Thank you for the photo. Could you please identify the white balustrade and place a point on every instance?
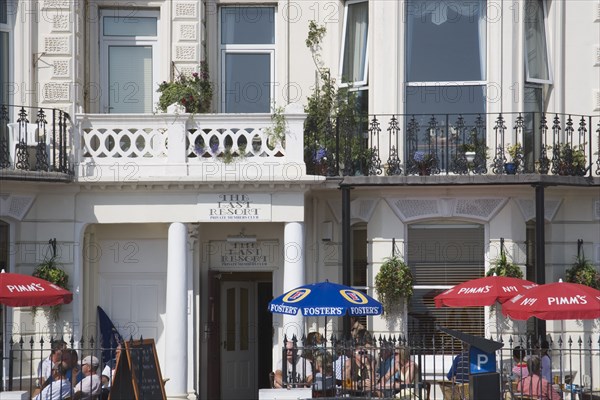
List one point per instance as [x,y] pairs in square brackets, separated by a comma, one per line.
[201,146]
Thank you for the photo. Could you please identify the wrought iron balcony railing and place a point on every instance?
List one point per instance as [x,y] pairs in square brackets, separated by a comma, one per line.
[454,144]
[34,139]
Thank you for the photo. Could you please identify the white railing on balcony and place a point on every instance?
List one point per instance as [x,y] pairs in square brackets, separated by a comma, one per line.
[200,147]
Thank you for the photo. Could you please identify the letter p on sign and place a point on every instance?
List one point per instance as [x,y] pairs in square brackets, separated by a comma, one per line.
[482,359]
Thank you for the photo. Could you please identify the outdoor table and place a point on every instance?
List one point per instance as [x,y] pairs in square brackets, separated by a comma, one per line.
[285,394]
[18,395]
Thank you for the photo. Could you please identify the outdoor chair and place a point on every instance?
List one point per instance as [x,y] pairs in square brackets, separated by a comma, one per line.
[454,391]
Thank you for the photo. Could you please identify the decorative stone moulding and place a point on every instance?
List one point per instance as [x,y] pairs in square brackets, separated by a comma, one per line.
[15,206]
[361,210]
[56,92]
[56,4]
[57,45]
[188,32]
[186,9]
[527,208]
[596,209]
[61,68]
[60,23]
[185,53]
[413,209]
[596,100]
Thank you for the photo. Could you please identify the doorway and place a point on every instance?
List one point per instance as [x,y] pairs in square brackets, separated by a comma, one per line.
[245,334]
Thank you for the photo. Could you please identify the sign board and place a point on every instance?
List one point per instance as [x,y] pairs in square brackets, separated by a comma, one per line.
[235,207]
[481,362]
[262,255]
[137,374]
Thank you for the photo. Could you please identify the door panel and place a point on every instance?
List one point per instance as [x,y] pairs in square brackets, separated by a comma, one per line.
[135,304]
[238,344]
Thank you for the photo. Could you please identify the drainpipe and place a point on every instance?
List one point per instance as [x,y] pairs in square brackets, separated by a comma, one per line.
[540,251]
[346,255]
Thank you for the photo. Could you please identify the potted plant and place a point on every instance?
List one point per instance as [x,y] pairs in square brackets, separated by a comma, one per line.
[193,93]
[330,109]
[515,151]
[571,159]
[503,267]
[582,271]
[50,270]
[393,282]
[469,149]
[424,162]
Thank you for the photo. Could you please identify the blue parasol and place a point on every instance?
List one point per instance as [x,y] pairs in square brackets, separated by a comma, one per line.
[325,299]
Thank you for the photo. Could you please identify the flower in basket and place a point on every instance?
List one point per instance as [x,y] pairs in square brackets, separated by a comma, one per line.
[423,161]
[194,92]
[320,156]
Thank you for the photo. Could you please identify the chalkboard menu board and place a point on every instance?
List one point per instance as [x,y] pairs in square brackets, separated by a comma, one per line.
[137,375]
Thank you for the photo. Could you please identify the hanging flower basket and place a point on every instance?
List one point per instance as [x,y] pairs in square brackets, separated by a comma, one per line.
[583,272]
[50,271]
[394,282]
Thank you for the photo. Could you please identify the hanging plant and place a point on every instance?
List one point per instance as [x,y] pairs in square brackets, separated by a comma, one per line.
[393,282]
[583,272]
[50,270]
[502,267]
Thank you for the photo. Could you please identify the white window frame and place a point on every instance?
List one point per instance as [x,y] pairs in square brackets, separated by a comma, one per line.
[528,79]
[225,49]
[141,41]
[8,27]
[365,79]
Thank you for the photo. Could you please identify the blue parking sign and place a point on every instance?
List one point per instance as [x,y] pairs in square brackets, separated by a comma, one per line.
[481,362]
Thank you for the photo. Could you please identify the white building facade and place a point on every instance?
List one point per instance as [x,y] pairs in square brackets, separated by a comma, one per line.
[178,244]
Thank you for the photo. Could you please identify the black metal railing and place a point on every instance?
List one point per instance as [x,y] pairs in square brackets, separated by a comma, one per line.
[361,368]
[34,139]
[457,144]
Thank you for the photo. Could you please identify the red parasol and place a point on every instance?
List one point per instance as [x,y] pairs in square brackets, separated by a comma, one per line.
[18,290]
[555,301]
[482,291]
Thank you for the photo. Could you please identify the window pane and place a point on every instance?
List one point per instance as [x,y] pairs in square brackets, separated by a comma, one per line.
[247,83]
[138,26]
[535,41]
[355,50]
[4,61]
[443,256]
[3,12]
[247,25]
[532,142]
[130,79]
[244,321]
[445,40]
[443,105]
[231,325]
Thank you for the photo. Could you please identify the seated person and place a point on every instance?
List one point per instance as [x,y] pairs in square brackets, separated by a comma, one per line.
[519,370]
[459,371]
[403,373]
[90,386]
[45,366]
[534,384]
[343,352]
[360,370]
[298,371]
[59,388]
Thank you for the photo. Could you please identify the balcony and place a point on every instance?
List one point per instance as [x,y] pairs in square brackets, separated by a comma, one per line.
[458,145]
[239,148]
[35,144]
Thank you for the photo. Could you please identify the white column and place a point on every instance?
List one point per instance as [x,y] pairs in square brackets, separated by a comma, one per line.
[294,272]
[176,316]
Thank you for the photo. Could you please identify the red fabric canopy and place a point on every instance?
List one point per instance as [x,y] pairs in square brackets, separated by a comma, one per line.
[17,290]
[482,291]
[555,301]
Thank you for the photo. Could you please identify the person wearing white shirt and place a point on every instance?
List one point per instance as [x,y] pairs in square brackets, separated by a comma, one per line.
[59,389]
[45,366]
[90,386]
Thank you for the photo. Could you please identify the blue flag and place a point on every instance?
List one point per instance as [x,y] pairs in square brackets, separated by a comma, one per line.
[110,337]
